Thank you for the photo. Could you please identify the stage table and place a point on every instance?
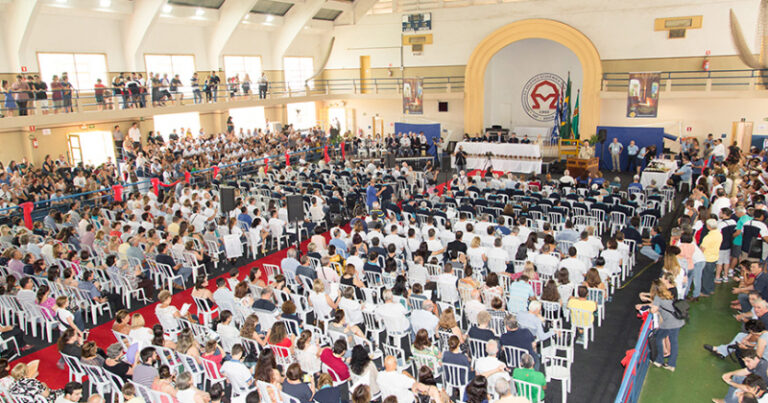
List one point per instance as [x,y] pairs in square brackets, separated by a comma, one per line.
[528,156]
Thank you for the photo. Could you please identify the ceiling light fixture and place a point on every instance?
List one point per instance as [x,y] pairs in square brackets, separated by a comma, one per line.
[167,9]
[199,12]
[105,3]
[61,1]
[270,17]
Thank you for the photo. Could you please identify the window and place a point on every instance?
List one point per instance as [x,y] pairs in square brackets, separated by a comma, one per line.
[91,148]
[181,123]
[241,65]
[297,70]
[248,119]
[183,65]
[301,115]
[82,68]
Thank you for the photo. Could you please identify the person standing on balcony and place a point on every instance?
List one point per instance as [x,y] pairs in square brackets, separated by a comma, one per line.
[196,89]
[263,85]
[66,92]
[41,96]
[10,102]
[56,93]
[20,94]
[615,149]
[213,83]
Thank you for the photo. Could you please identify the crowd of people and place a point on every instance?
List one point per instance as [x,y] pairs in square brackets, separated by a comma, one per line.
[126,90]
[478,293]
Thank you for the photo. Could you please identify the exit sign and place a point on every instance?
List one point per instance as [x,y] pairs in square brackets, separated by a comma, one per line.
[23,69]
[91,126]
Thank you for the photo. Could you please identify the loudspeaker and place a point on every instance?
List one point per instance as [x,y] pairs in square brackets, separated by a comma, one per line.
[445,164]
[390,160]
[450,147]
[227,198]
[442,106]
[295,206]
[602,135]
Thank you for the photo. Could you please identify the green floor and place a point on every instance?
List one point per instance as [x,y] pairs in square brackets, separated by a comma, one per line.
[697,377]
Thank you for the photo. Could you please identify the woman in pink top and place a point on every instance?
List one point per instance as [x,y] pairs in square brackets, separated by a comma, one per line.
[45,301]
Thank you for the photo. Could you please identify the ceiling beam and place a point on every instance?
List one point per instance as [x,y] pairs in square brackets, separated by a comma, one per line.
[231,14]
[361,9]
[19,19]
[136,27]
[293,23]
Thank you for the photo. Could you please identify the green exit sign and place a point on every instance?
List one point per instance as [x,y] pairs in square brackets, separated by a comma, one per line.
[91,126]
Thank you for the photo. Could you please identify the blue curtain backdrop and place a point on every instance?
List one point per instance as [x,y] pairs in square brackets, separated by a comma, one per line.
[643,136]
[431,130]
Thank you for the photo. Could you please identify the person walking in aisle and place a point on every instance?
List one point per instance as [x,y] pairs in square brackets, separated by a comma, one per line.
[615,148]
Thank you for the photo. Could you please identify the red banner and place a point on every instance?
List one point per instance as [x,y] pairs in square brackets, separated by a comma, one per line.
[117,191]
[215,171]
[266,164]
[27,209]
[343,151]
[325,152]
[156,185]
[287,159]
[187,177]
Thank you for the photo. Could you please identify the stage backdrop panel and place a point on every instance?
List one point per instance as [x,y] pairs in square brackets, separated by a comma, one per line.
[643,136]
[431,130]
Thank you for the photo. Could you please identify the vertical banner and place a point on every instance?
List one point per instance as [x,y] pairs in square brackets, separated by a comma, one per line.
[413,96]
[643,95]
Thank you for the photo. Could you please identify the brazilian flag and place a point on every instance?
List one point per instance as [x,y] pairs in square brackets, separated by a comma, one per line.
[575,121]
[565,118]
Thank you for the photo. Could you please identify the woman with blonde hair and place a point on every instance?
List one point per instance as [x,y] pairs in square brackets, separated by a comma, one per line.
[320,301]
[27,386]
[672,266]
[139,333]
[447,323]
[476,254]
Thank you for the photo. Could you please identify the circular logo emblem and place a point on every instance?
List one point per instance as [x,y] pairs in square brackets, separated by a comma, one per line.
[540,95]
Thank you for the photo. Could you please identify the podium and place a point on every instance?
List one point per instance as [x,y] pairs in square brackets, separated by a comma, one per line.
[577,166]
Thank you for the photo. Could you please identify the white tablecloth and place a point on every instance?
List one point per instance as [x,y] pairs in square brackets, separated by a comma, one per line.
[671,164]
[659,177]
[527,150]
[506,165]
[521,166]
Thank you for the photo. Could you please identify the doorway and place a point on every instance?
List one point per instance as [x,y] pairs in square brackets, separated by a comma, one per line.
[91,148]
[378,127]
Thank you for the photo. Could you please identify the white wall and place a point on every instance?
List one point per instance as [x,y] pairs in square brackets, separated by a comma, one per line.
[66,33]
[619,30]
[512,67]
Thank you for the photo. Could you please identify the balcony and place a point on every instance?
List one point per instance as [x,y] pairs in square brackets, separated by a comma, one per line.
[699,81]
[85,107]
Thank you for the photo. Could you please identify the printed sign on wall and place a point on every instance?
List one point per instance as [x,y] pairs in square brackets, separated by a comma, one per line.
[413,96]
[643,95]
[540,94]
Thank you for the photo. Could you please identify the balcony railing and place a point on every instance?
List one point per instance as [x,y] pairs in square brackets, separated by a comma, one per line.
[713,80]
[82,100]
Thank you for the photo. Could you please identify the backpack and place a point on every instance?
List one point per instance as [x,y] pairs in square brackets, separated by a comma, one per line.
[681,309]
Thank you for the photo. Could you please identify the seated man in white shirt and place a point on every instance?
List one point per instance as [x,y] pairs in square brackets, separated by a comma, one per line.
[236,372]
[490,366]
[394,315]
[576,268]
[425,318]
[496,256]
[394,383]
[473,307]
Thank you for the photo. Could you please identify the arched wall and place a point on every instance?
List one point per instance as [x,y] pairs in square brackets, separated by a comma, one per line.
[474,77]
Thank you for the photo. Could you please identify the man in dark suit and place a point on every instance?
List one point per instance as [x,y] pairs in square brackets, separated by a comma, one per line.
[456,245]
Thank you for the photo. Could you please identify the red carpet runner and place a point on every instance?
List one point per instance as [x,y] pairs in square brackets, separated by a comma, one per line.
[102,334]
